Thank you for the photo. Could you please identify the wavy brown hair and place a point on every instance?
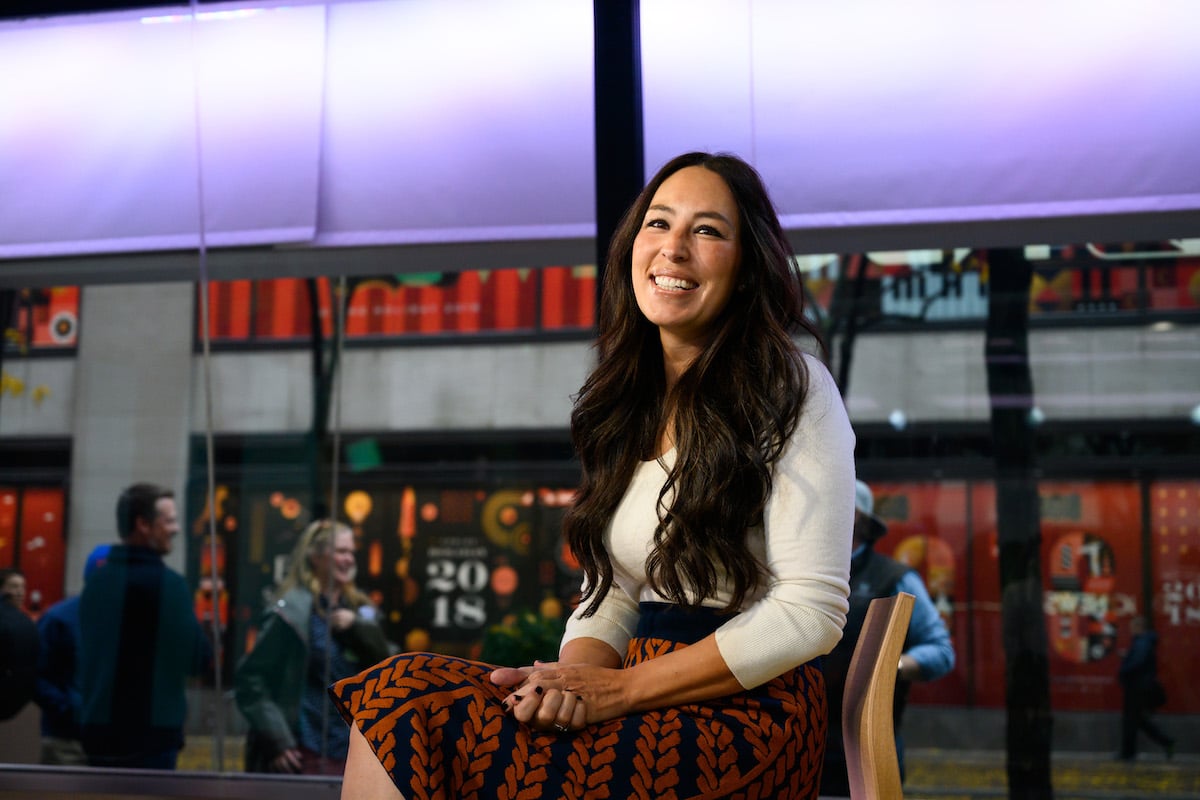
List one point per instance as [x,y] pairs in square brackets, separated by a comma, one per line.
[735,407]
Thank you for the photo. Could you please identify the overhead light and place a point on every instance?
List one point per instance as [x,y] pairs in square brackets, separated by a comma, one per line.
[898,420]
[1162,326]
[202,16]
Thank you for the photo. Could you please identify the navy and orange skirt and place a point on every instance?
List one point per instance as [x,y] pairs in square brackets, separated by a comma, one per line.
[437,724]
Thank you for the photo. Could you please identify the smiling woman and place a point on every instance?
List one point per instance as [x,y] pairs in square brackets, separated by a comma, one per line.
[685,261]
[713,528]
[320,627]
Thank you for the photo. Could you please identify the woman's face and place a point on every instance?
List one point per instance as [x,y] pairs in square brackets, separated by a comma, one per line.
[338,561]
[687,254]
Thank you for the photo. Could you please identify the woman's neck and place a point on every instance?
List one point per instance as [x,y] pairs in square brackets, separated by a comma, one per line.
[677,355]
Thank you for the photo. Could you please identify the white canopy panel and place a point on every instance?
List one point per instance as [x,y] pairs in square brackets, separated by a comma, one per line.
[103,120]
[422,123]
[870,113]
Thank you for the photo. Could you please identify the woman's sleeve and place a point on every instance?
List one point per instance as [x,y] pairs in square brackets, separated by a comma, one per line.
[614,623]
[808,523]
[258,673]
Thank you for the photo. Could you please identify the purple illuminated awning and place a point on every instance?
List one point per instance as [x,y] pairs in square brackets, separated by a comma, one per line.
[420,123]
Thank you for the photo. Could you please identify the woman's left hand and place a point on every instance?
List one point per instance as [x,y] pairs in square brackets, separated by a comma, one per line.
[554,696]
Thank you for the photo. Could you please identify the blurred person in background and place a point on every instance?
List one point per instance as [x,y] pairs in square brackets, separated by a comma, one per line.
[12,587]
[1142,692]
[319,628]
[57,691]
[18,645]
[140,641]
[928,653]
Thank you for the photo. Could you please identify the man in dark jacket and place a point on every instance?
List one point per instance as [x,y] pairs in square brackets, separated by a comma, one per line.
[140,641]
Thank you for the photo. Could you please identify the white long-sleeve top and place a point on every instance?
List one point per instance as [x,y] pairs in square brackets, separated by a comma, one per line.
[799,611]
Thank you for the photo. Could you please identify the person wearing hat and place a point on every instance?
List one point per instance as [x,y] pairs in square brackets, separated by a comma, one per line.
[57,689]
[928,652]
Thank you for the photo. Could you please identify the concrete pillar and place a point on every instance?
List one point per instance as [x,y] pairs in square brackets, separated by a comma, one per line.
[132,408]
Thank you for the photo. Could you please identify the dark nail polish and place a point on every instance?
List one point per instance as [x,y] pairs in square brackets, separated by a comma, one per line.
[518,698]
[537,689]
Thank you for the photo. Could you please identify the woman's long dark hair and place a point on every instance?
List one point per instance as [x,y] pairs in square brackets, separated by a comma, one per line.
[735,407]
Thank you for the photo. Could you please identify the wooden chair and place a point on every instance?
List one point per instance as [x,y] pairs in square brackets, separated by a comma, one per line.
[869,737]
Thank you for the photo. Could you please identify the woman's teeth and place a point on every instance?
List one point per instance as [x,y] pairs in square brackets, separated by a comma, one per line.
[667,282]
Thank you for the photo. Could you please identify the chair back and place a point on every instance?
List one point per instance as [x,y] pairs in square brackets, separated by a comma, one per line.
[868,733]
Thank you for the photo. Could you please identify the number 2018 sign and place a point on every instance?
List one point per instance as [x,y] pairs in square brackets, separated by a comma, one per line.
[455,588]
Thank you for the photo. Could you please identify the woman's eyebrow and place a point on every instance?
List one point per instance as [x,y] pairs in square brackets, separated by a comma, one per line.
[699,214]
[715,215]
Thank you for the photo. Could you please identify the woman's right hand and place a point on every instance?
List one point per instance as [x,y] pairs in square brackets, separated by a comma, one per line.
[554,706]
[548,709]
[288,761]
[544,708]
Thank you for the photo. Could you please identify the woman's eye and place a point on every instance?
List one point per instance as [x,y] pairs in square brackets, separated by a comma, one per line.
[656,223]
[709,230]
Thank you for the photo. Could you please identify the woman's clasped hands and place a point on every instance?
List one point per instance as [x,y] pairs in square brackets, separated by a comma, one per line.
[550,696]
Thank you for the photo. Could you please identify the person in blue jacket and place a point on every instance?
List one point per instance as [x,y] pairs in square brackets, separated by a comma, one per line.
[57,688]
[928,652]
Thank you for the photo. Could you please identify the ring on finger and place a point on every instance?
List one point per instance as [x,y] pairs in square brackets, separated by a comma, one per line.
[558,726]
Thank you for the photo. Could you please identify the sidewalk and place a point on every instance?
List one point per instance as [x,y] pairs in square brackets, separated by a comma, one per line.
[974,774]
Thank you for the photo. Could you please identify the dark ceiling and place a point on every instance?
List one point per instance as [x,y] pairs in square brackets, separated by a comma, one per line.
[22,9]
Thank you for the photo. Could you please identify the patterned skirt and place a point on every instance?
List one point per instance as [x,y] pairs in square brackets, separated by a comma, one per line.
[438,726]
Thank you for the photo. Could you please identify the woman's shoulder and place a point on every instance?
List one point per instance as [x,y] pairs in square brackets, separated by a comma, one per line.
[823,424]
[821,389]
[294,604]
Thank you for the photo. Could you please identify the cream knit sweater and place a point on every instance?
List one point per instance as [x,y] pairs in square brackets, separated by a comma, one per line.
[798,612]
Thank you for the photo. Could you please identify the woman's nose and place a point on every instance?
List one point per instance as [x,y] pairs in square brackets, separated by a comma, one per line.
[675,248]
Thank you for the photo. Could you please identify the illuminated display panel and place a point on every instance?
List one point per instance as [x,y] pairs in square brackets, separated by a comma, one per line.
[1092,580]
[46,320]
[549,299]
[32,539]
[1175,567]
